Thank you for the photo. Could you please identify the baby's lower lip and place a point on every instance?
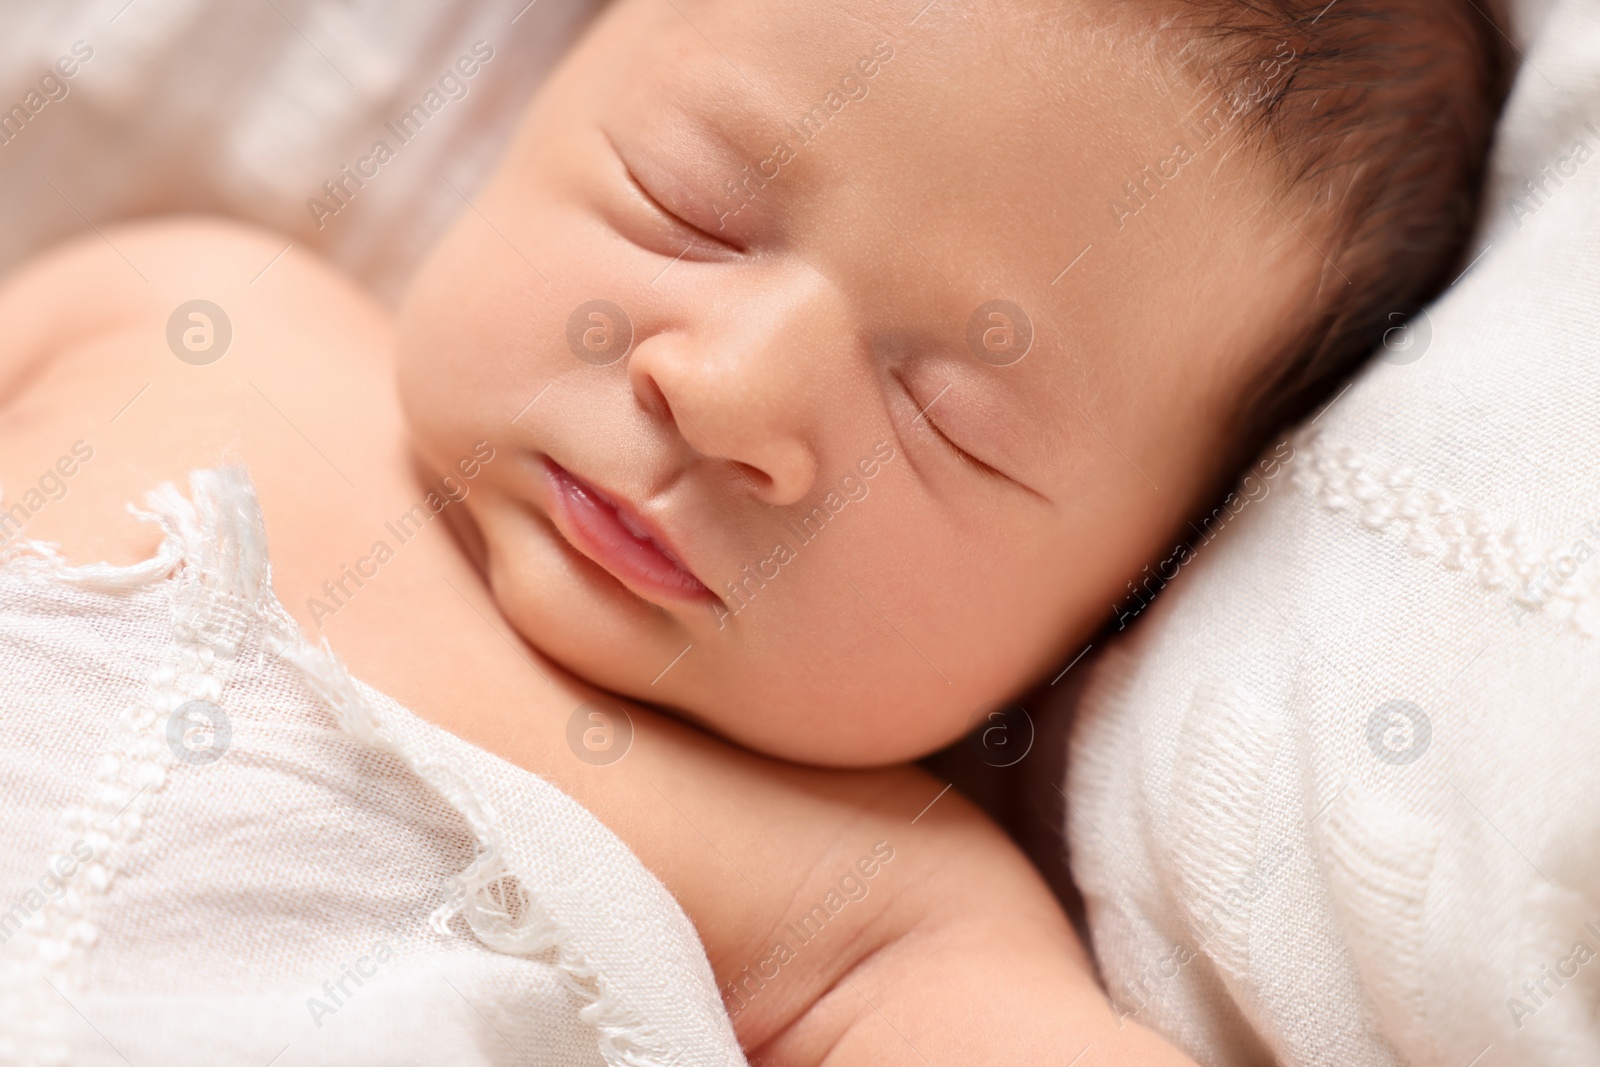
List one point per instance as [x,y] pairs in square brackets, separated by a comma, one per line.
[601,530]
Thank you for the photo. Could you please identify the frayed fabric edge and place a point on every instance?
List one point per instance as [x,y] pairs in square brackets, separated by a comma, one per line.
[488,894]
[216,540]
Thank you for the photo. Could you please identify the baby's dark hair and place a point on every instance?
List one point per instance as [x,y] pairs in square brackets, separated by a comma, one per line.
[1378,114]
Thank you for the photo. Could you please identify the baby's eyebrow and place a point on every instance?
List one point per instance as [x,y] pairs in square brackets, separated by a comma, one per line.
[689,155]
[705,136]
[724,138]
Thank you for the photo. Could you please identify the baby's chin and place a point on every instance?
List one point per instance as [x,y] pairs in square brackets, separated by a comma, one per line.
[728,700]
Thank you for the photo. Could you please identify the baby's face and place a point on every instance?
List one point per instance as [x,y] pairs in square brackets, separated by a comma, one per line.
[833,399]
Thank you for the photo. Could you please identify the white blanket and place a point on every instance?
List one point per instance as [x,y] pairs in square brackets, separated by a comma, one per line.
[218,848]
[1334,803]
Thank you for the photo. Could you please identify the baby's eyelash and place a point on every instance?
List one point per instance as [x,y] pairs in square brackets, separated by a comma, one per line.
[673,217]
[961,454]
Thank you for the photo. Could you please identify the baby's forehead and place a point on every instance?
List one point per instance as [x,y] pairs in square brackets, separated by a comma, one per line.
[802,65]
[778,106]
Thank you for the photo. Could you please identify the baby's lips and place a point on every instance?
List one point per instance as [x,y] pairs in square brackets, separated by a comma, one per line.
[607,530]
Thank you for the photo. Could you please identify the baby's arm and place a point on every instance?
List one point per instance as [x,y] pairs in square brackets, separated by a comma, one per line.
[956,954]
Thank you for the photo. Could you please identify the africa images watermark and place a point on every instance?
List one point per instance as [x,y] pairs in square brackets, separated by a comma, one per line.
[852,88]
[1251,490]
[198,733]
[450,490]
[341,189]
[1536,192]
[754,577]
[51,486]
[365,967]
[52,88]
[1536,992]
[1002,734]
[852,886]
[1137,993]
[599,732]
[1555,578]
[52,885]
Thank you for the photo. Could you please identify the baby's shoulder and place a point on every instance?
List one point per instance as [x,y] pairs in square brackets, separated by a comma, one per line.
[117,277]
[146,351]
[170,344]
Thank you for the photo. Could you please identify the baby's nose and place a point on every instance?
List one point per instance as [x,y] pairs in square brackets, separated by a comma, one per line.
[749,383]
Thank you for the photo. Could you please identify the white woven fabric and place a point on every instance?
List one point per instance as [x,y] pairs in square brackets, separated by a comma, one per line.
[246,109]
[1334,803]
[316,876]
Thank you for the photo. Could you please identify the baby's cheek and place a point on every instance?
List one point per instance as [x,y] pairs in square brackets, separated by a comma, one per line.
[428,337]
[850,665]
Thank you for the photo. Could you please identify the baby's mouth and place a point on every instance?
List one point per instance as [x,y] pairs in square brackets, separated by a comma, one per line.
[612,534]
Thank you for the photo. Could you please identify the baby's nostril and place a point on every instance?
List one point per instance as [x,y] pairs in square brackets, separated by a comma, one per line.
[758,479]
[652,399]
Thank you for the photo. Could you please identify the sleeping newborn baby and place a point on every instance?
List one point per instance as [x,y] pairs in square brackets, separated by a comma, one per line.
[819,376]
[875,353]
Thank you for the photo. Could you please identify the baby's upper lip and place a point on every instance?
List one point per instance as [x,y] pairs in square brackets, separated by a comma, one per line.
[634,522]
